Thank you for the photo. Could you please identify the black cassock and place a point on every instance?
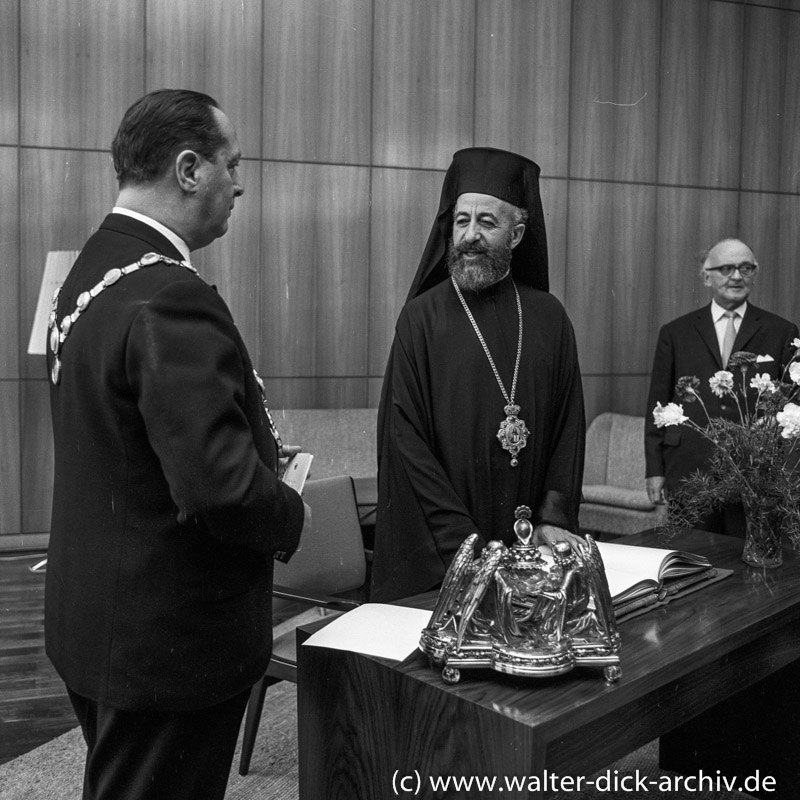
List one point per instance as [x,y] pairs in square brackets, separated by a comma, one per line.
[442,473]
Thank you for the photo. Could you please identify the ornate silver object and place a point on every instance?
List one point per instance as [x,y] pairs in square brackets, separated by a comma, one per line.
[511,611]
[513,433]
[273,429]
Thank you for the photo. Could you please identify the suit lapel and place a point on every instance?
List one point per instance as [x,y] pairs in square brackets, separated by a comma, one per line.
[704,325]
[751,324]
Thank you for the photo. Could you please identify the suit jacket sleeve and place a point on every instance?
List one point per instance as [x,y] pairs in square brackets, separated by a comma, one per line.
[787,353]
[195,386]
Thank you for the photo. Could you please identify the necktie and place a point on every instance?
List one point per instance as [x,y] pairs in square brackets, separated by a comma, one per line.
[727,340]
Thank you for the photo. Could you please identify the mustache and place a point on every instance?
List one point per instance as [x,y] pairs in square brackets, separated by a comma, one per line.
[466,247]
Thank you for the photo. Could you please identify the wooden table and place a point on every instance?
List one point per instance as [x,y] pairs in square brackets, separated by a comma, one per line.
[365,721]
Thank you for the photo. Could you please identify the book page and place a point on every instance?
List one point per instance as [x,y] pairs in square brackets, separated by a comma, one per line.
[679,562]
[56,267]
[632,571]
[649,562]
[376,629]
[625,585]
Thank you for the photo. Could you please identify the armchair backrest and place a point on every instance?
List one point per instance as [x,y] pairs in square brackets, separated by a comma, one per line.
[596,460]
[615,451]
[331,557]
[626,466]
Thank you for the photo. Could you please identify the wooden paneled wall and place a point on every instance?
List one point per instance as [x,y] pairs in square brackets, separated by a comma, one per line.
[660,126]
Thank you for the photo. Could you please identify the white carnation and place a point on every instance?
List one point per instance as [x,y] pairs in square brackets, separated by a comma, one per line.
[670,414]
[721,382]
[789,420]
[762,383]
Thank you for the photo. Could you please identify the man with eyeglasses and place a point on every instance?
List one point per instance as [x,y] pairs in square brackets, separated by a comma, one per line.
[700,344]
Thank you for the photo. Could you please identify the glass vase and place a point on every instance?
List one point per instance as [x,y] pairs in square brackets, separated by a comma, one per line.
[762,541]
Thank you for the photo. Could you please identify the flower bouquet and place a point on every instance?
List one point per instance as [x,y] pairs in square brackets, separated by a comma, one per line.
[754,458]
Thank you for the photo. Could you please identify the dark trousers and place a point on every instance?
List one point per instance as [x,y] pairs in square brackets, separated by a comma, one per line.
[729,520]
[154,755]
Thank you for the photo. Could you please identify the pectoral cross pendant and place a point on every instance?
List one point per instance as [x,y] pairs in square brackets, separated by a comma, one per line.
[513,434]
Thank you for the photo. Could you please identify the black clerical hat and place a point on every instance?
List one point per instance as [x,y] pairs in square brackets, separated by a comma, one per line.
[505,175]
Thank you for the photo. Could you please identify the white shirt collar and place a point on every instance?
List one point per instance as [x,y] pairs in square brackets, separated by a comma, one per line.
[717,311]
[173,237]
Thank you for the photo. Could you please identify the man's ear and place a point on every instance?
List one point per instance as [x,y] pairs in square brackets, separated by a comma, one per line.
[517,232]
[187,166]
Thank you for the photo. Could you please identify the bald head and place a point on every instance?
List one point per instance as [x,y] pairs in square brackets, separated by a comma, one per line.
[724,247]
[728,269]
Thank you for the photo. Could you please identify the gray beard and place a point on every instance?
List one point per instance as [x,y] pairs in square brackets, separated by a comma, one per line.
[491,266]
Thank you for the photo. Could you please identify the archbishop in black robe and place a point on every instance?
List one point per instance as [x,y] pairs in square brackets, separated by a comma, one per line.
[442,473]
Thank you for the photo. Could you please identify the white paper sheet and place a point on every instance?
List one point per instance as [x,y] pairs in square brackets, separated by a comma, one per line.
[57,265]
[375,629]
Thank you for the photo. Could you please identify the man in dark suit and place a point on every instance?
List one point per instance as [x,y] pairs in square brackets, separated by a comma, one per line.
[167,506]
[700,344]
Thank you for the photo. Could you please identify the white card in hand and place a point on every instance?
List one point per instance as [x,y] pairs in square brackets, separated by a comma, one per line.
[296,471]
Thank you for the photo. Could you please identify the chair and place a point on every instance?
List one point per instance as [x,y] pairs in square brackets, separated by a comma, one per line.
[330,560]
[614,497]
[344,442]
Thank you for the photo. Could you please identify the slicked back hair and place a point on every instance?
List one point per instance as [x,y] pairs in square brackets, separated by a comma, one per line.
[160,125]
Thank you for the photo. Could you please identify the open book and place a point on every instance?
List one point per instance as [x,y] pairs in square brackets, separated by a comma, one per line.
[642,577]
[633,571]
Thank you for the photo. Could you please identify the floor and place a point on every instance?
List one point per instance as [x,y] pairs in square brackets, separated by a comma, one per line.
[34,707]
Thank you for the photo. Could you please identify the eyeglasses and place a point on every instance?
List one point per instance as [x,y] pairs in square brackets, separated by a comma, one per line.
[746,269]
